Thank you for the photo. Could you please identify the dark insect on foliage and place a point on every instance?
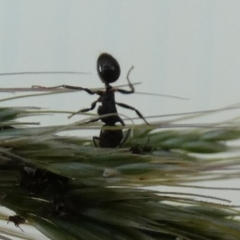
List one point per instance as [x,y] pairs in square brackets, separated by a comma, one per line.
[109,71]
[17,220]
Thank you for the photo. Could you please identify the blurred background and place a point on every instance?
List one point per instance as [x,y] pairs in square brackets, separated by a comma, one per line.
[179,47]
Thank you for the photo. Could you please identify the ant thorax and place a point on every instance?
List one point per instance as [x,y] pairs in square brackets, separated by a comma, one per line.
[108,107]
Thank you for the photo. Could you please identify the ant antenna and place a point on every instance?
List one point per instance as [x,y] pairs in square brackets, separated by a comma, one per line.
[153,94]
[129,71]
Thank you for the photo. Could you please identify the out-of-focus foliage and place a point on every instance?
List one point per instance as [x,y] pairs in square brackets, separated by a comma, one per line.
[69,189]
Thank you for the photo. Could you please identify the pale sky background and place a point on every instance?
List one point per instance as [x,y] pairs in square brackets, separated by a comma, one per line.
[188,48]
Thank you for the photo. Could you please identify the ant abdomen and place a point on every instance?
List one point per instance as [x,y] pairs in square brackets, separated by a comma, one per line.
[110,138]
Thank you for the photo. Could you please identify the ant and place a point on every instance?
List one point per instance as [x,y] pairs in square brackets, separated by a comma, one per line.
[17,220]
[109,71]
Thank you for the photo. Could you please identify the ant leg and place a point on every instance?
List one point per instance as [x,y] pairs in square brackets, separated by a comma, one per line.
[129,83]
[70,87]
[121,121]
[125,138]
[94,141]
[134,109]
[80,88]
[18,227]
[93,105]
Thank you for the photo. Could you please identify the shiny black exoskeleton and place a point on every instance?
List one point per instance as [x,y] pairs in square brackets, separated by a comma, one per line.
[109,71]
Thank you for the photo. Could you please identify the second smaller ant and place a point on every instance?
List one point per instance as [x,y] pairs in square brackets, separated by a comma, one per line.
[17,220]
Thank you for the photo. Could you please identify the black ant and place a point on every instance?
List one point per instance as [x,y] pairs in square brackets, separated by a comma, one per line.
[17,220]
[109,71]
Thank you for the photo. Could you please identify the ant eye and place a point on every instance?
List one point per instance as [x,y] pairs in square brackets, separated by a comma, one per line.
[108,68]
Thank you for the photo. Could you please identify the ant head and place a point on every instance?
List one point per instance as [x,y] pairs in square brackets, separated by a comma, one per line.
[108,68]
